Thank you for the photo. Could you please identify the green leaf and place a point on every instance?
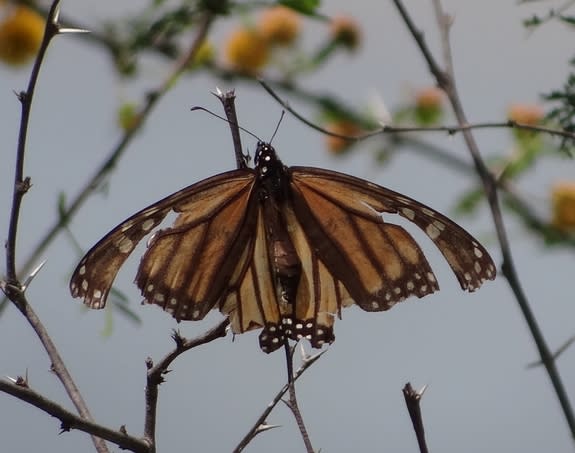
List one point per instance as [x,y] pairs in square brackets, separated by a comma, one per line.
[570,20]
[469,201]
[307,7]
[532,22]
[62,211]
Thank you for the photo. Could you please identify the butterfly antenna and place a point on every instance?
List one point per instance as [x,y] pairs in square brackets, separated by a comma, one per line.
[278,126]
[193,109]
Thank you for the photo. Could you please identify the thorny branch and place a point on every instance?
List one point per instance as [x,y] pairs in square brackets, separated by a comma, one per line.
[260,425]
[12,287]
[155,375]
[446,81]
[70,420]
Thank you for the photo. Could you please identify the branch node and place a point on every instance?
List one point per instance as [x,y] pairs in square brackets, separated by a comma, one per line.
[149,363]
[23,186]
[65,427]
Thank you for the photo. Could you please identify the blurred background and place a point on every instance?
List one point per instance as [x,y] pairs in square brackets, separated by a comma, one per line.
[472,350]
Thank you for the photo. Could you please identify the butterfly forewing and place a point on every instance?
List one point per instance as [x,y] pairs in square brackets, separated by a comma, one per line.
[380,264]
[187,267]
[95,273]
[469,261]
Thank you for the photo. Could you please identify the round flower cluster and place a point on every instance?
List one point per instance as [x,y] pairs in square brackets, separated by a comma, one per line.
[429,105]
[248,48]
[528,114]
[338,145]
[21,33]
[563,205]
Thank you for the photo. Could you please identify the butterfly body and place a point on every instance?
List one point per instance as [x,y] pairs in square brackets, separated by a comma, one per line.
[282,249]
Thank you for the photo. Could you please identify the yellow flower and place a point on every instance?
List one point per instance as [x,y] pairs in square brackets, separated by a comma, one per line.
[428,105]
[338,145]
[529,114]
[346,32]
[279,25]
[247,51]
[563,204]
[21,34]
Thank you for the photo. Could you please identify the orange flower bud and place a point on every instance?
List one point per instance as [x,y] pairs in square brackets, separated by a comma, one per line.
[529,114]
[338,145]
[279,25]
[563,205]
[346,32]
[428,105]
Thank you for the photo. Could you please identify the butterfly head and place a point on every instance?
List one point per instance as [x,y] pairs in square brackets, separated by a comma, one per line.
[266,160]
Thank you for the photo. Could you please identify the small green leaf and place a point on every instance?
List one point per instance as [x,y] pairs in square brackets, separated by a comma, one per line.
[570,20]
[469,201]
[62,211]
[308,7]
[532,22]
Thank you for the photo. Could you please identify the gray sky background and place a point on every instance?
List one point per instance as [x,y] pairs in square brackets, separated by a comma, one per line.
[471,350]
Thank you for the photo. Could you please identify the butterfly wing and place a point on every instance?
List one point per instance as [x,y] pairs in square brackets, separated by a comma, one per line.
[252,300]
[212,214]
[380,263]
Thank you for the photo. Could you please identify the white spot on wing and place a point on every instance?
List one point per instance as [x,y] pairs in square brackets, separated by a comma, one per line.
[408,213]
[432,231]
[148,224]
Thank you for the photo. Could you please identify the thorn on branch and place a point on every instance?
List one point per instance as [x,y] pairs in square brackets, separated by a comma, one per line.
[22,96]
[19,380]
[178,339]
[65,427]
[24,185]
[265,427]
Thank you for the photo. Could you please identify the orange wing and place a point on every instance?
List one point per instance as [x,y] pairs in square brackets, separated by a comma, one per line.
[380,263]
[253,303]
[213,217]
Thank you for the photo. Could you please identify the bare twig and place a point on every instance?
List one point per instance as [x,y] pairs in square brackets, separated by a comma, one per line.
[560,350]
[388,129]
[446,81]
[261,421]
[292,402]
[58,365]
[13,289]
[70,420]
[21,184]
[155,375]
[228,101]
[412,399]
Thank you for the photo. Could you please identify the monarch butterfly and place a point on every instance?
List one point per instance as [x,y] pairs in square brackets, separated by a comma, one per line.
[282,249]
